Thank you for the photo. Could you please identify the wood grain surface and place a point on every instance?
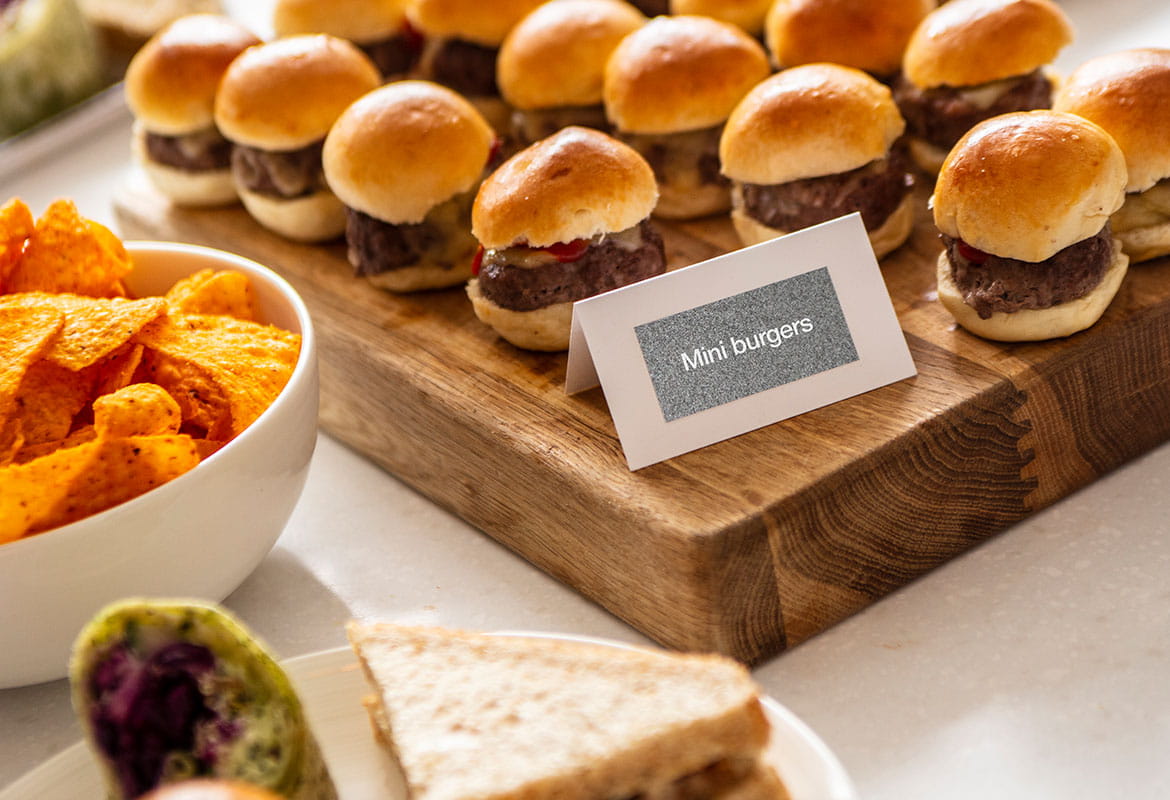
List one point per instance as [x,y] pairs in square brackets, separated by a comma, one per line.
[751,545]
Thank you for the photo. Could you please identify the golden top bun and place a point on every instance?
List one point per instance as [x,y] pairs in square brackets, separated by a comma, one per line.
[210,789]
[1028,184]
[485,22]
[402,149]
[807,121]
[356,20]
[556,55]
[171,82]
[1127,94]
[747,14]
[681,74]
[968,42]
[575,184]
[286,94]
[865,34]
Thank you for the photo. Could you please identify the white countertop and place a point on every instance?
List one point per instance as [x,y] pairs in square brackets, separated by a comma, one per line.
[1037,665]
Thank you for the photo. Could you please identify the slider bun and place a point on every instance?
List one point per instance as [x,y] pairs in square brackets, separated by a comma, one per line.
[680,74]
[544,329]
[171,82]
[1143,244]
[484,22]
[929,157]
[968,42]
[575,184]
[884,240]
[356,20]
[1033,324]
[208,187]
[317,217]
[808,121]
[210,789]
[746,14]
[1128,94]
[858,33]
[400,150]
[1028,184]
[556,55]
[286,94]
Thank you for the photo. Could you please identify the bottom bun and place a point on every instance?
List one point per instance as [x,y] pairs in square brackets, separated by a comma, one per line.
[426,275]
[544,329]
[317,217]
[1143,244]
[1034,325]
[495,111]
[887,238]
[691,202]
[927,156]
[210,789]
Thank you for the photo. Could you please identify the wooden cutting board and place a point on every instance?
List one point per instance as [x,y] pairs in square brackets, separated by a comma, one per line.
[755,544]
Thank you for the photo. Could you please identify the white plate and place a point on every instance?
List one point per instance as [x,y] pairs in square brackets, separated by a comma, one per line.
[331,685]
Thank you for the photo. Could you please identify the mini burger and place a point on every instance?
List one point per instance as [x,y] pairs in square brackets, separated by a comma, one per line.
[865,34]
[1128,94]
[170,87]
[276,103]
[1023,203]
[562,220]
[406,160]
[669,87]
[747,14]
[463,39]
[813,143]
[970,60]
[552,65]
[378,27]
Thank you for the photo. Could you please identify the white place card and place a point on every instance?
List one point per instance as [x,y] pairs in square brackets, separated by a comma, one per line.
[740,341]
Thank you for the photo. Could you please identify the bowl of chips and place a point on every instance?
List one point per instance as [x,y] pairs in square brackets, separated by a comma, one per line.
[158,413]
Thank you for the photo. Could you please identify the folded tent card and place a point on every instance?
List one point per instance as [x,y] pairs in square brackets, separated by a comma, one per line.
[740,341]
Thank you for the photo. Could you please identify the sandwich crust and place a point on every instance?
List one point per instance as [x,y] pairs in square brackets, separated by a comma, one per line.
[485,22]
[356,20]
[1028,184]
[680,74]
[1128,94]
[402,149]
[287,93]
[968,42]
[541,718]
[556,55]
[575,184]
[857,33]
[808,121]
[171,82]
[1033,325]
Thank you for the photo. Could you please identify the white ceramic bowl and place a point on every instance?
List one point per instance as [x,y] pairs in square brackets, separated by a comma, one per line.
[199,535]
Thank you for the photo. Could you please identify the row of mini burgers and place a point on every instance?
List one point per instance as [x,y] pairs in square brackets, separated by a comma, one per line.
[787,151]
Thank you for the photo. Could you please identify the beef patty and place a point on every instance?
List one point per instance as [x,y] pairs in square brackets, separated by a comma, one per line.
[279,173]
[875,190]
[608,264]
[991,283]
[192,152]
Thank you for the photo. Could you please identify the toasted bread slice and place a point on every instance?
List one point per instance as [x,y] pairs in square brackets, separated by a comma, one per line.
[480,717]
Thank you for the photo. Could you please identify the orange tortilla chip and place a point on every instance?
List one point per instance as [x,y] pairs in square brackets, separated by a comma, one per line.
[116,371]
[73,483]
[16,225]
[67,253]
[209,292]
[223,372]
[12,442]
[94,327]
[26,333]
[48,400]
[79,436]
[141,409]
